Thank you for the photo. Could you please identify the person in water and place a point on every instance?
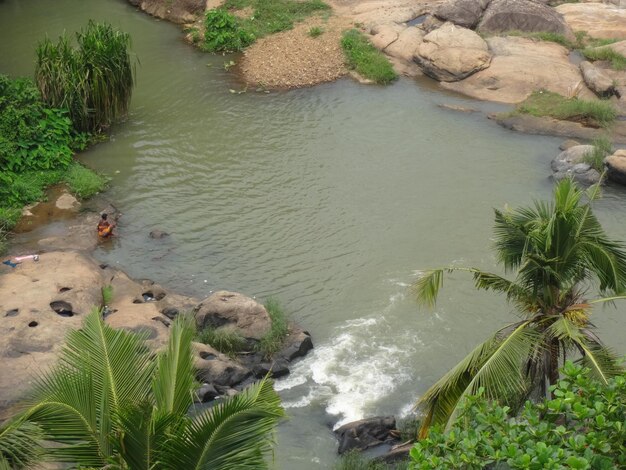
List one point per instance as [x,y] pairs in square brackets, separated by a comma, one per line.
[105,228]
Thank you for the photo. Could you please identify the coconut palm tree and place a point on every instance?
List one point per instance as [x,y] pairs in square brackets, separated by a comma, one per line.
[560,256]
[110,403]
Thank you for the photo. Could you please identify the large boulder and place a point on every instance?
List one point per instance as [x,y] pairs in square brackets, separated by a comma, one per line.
[218,369]
[235,310]
[523,15]
[452,53]
[597,81]
[598,20]
[520,66]
[616,165]
[570,164]
[405,46]
[365,433]
[464,13]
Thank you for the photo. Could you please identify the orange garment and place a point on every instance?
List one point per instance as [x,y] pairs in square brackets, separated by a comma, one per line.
[105,229]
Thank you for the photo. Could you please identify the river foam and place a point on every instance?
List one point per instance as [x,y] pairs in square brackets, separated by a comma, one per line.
[364,361]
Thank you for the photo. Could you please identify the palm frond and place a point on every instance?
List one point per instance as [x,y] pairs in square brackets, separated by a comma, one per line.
[174,381]
[496,365]
[427,287]
[233,434]
[19,444]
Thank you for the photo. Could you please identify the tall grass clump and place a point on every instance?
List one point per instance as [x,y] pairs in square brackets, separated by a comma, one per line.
[546,103]
[225,340]
[93,81]
[617,60]
[602,148]
[273,340]
[107,294]
[368,61]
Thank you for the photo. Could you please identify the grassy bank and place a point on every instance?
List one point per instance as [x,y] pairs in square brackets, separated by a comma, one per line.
[37,144]
[228,32]
[368,61]
[546,103]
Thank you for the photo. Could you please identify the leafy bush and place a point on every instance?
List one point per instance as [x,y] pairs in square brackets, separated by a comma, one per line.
[366,59]
[224,33]
[32,136]
[225,340]
[582,427]
[602,148]
[93,82]
[546,103]
[273,340]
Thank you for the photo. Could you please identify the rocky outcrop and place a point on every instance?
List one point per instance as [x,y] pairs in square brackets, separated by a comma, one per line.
[452,53]
[176,11]
[366,433]
[520,66]
[405,46]
[570,164]
[465,13]
[523,15]
[231,309]
[616,166]
[598,20]
[597,81]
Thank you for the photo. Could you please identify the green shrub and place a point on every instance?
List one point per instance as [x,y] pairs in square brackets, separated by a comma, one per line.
[315,31]
[224,32]
[93,82]
[546,103]
[225,340]
[617,60]
[582,427]
[366,59]
[273,340]
[32,136]
[602,148]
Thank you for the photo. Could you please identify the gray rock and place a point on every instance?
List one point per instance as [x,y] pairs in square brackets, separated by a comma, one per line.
[158,234]
[431,23]
[570,164]
[464,13]
[276,369]
[523,15]
[597,81]
[365,433]
[297,344]
[206,393]
[170,312]
[567,144]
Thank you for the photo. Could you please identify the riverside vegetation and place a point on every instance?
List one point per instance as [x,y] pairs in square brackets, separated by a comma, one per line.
[79,93]
[111,403]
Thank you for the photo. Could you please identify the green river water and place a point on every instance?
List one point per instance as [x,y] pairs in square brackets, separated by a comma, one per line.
[331,198]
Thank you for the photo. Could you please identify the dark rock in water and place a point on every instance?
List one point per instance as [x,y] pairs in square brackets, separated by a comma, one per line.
[616,166]
[158,234]
[297,344]
[276,369]
[396,454]
[170,312]
[570,164]
[206,393]
[365,433]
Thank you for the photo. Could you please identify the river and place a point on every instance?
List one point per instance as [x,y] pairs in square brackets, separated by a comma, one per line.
[330,198]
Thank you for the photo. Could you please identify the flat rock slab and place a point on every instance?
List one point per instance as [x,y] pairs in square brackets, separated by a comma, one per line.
[598,20]
[520,66]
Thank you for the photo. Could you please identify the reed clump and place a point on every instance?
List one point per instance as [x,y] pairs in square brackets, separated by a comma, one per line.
[93,81]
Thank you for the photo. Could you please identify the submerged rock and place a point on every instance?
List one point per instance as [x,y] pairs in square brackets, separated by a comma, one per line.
[570,164]
[365,433]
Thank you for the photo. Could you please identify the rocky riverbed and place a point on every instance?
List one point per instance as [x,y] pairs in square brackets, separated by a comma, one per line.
[41,300]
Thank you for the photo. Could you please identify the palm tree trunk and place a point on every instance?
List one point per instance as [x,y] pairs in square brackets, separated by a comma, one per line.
[553,363]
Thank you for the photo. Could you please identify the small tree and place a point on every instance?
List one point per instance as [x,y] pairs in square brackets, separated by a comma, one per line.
[93,82]
[558,252]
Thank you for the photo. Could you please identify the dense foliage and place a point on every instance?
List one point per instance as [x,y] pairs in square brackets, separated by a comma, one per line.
[224,33]
[112,403]
[581,427]
[560,257]
[93,82]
